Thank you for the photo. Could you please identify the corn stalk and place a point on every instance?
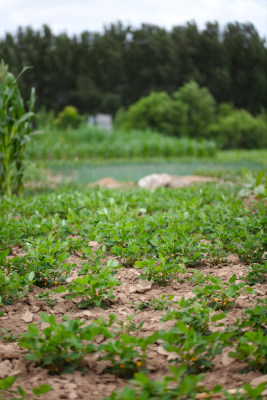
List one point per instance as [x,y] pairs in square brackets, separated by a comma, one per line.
[15,131]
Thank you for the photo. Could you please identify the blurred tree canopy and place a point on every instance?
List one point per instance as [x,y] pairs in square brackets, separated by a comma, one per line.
[103,72]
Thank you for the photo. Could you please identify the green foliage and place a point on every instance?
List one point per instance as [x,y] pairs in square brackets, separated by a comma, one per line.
[46,259]
[91,142]
[151,112]
[254,185]
[127,354]
[171,387]
[15,132]
[256,274]
[198,109]
[14,286]
[252,348]
[95,289]
[239,129]
[195,350]
[124,63]
[194,314]
[188,113]
[221,295]
[6,389]
[68,118]
[61,346]
[162,303]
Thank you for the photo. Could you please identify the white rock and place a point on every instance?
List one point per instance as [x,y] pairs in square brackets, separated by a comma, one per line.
[154,181]
[27,316]
[5,368]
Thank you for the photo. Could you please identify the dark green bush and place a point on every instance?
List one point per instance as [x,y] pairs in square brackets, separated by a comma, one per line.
[187,113]
[68,118]
[151,112]
[194,110]
[239,129]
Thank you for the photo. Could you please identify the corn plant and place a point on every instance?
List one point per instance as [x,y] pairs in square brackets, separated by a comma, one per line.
[15,131]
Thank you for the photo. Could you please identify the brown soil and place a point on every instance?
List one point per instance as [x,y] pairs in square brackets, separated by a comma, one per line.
[95,384]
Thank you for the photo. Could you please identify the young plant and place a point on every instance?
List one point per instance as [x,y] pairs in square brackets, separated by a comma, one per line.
[7,390]
[45,297]
[13,286]
[256,274]
[162,303]
[15,131]
[8,336]
[256,317]
[45,257]
[194,314]
[246,392]
[127,354]
[252,349]
[221,295]
[178,386]
[161,272]
[194,350]
[95,289]
[61,346]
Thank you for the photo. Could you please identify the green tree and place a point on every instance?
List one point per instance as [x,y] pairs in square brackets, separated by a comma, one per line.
[199,109]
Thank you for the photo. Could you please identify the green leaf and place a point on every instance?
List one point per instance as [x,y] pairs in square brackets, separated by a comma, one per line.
[41,389]
[6,383]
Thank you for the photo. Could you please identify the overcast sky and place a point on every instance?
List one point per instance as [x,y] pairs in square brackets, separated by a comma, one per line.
[75,16]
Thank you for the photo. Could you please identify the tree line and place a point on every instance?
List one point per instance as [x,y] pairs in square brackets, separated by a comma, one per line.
[101,72]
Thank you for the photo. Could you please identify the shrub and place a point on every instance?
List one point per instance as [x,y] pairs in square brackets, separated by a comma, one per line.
[154,111]
[15,131]
[239,129]
[68,118]
[194,110]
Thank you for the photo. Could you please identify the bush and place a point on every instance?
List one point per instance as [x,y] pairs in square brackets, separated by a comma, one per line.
[68,118]
[187,113]
[194,110]
[152,112]
[15,132]
[239,129]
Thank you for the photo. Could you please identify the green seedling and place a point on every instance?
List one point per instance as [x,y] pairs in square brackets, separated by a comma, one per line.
[255,185]
[93,289]
[256,317]
[217,253]
[45,297]
[61,346]
[14,286]
[193,314]
[194,350]
[246,392]
[129,326]
[178,386]
[250,249]
[6,389]
[221,295]
[161,272]
[7,336]
[198,277]
[46,258]
[256,274]
[127,354]
[162,303]
[252,349]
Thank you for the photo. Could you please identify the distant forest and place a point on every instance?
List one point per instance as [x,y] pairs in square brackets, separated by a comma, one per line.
[100,72]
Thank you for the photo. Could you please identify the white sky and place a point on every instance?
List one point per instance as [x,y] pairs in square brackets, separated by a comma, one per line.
[76,16]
